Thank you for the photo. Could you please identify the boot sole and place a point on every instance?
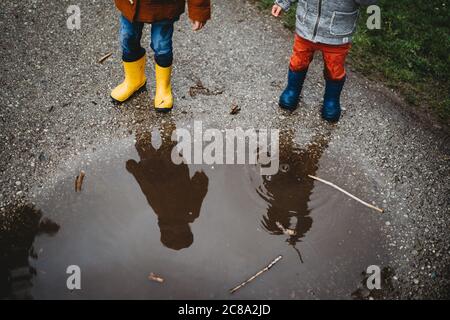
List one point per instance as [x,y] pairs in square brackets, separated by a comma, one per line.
[333,120]
[285,107]
[143,88]
[163,110]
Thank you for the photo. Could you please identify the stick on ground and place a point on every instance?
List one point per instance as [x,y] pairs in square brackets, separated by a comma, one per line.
[106,56]
[256,275]
[347,193]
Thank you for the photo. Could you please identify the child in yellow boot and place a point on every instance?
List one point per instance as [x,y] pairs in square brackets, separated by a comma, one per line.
[161,15]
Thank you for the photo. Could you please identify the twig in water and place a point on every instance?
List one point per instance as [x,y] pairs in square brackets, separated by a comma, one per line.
[79,181]
[256,275]
[155,278]
[347,193]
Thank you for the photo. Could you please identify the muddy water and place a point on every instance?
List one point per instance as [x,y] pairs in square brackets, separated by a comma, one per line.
[204,229]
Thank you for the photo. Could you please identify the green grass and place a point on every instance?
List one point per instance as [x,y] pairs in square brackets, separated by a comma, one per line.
[411,52]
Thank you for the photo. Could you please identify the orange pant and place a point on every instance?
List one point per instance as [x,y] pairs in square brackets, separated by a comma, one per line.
[333,56]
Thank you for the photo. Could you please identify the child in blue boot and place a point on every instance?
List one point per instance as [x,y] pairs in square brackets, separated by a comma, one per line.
[326,26]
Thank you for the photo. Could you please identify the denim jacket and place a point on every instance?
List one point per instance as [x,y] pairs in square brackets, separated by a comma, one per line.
[326,21]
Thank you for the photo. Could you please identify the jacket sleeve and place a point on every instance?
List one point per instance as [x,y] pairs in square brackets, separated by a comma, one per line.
[285,4]
[199,10]
[366,2]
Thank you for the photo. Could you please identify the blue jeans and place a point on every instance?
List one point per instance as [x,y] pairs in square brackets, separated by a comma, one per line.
[161,41]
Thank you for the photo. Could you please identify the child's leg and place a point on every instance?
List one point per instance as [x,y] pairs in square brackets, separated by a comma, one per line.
[302,56]
[133,57]
[130,40]
[161,43]
[334,60]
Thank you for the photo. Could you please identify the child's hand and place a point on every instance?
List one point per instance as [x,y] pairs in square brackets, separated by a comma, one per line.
[276,10]
[197,25]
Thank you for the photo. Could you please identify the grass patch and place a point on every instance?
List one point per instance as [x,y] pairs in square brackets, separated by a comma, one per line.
[411,52]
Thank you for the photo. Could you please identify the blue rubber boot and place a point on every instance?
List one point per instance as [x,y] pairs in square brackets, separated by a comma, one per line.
[331,110]
[290,97]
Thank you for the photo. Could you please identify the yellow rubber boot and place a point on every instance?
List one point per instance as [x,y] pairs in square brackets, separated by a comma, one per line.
[163,96]
[134,80]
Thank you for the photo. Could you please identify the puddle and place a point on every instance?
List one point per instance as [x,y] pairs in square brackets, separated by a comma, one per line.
[204,229]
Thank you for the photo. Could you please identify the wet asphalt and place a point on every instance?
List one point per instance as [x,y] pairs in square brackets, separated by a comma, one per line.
[55,112]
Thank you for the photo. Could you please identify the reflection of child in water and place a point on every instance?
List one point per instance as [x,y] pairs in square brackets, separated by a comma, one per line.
[174,196]
[288,192]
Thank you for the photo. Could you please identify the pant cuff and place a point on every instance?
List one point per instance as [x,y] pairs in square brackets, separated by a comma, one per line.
[164,60]
[133,57]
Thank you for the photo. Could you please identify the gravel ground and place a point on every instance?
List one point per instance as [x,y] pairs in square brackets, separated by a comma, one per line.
[55,105]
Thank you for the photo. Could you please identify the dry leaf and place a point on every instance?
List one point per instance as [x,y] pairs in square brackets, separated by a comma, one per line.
[199,88]
[235,109]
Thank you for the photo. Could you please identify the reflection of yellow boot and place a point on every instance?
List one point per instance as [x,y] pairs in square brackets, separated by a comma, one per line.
[134,80]
[163,96]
